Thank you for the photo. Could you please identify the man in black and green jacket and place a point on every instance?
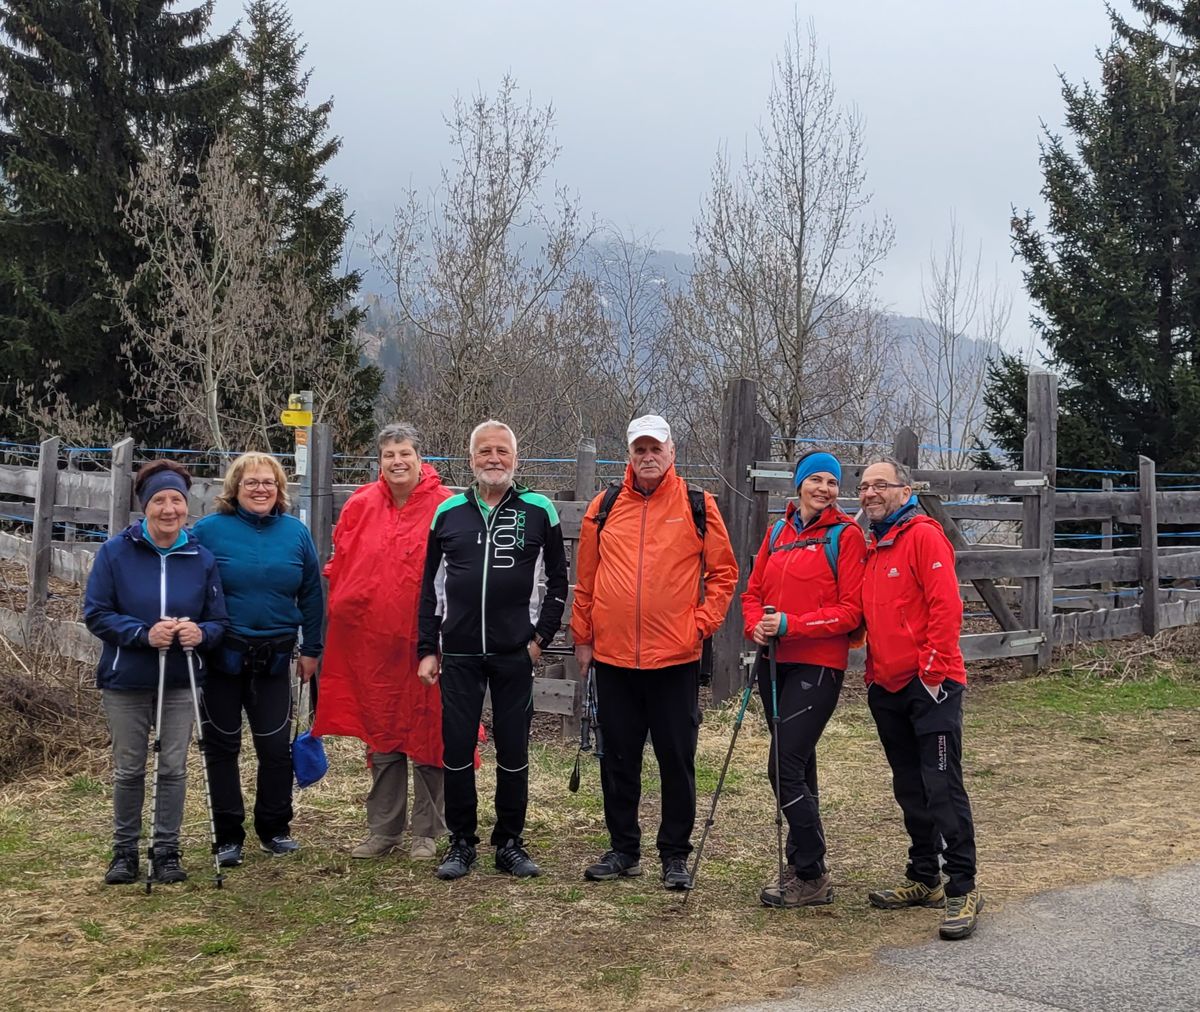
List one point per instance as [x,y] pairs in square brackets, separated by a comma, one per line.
[484,620]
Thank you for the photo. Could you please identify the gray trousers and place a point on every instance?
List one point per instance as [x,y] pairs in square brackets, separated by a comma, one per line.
[387,803]
[130,715]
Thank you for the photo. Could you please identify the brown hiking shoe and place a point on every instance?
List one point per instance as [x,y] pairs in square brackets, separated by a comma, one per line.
[911,894]
[962,913]
[374,846]
[798,892]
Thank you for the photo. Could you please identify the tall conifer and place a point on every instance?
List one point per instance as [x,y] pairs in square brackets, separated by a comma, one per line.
[85,87]
[1115,273]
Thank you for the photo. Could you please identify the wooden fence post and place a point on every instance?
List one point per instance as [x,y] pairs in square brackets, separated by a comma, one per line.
[1106,536]
[1148,557]
[1037,527]
[585,470]
[43,531]
[320,516]
[745,438]
[121,486]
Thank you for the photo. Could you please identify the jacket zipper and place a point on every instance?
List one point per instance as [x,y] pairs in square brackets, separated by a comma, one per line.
[487,545]
[637,601]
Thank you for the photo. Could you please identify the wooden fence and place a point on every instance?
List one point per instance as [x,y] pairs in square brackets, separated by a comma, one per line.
[1037,596]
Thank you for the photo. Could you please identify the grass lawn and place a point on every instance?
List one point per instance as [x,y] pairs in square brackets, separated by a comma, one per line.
[1073,777]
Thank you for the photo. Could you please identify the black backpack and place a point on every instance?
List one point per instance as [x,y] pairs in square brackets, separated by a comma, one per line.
[695,501]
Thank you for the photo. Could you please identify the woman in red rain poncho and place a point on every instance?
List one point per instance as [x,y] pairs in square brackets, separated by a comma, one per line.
[369,685]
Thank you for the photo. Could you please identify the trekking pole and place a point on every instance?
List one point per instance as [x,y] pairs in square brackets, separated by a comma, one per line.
[585,729]
[712,812]
[771,648]
[219,878]
[162,679]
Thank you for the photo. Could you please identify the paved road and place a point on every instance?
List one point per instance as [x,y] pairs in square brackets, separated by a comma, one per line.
[1126,944]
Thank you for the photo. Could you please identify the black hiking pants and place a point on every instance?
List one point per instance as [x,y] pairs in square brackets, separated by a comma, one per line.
[464,680]
[267,700]
[922,740]
[807,695]
[665,703]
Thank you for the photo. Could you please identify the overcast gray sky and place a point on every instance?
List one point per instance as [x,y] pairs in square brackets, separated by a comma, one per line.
[952,93]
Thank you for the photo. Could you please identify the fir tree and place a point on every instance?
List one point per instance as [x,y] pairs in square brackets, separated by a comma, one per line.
[283,146]
[1116,273]
[85,87]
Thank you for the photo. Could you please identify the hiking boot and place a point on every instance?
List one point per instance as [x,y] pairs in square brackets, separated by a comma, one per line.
[675,874]
[962,913]
[513,858]
[375,846]
[167,867]
[280,846]
[458,860]
[612,865]
[424,848]
[798,892]
[123,868]
[229,855]
[911,894]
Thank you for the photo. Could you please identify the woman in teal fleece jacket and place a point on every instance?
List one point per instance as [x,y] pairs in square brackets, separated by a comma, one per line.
[272,582]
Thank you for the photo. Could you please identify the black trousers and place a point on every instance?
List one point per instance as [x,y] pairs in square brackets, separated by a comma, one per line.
[464,681]
[267,700]
[807,697]
[922,740]
[664,702]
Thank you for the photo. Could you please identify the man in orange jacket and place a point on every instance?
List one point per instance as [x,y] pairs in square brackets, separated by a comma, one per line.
[651,586]
[915,679]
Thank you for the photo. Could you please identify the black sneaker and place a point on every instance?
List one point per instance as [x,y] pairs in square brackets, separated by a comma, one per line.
[458,860]
[514,859]
[123,868]
[280,846]
[229,855]
[612,865]
[167,868]
[675,874]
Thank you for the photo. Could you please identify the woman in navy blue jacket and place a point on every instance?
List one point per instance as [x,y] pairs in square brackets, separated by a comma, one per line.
[272,584]
[151,570]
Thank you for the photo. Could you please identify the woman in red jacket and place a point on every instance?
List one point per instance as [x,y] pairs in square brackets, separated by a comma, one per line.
[369,684]
[810,570]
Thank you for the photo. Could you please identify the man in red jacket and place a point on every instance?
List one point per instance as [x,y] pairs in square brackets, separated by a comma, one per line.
[915,679]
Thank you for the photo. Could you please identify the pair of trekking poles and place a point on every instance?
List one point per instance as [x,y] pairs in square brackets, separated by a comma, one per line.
[212,825]
[769,650]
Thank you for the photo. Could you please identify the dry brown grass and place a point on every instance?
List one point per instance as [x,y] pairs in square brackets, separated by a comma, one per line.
[1060,769]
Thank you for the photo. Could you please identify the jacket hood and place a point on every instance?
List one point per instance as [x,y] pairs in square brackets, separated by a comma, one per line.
[832,515]
[667,478]
[427,484]
[913,515]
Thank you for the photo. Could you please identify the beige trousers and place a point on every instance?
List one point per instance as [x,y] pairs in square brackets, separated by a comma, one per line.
[387,803]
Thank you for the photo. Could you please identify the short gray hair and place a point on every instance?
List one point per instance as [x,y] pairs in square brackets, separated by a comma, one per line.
[903,475]
[491,423]
[399,432]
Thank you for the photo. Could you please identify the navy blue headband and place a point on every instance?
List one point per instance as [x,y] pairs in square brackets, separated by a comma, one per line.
[157,482]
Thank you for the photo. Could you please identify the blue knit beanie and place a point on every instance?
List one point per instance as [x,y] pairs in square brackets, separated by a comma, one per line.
[815,462]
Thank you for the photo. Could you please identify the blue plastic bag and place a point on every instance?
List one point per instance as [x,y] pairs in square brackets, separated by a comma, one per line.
[308,759]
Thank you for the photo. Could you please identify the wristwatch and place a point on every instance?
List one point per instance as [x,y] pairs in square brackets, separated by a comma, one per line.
[541,641]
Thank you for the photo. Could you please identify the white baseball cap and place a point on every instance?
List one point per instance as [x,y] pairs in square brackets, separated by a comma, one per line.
[648,425]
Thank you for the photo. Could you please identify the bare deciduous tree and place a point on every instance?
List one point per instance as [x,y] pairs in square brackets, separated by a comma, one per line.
[632,374]
[964,321]
[786,258]
[216,281]
[504,328]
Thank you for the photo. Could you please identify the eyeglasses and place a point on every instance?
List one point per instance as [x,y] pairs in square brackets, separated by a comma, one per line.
[880,486]
[250,484]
